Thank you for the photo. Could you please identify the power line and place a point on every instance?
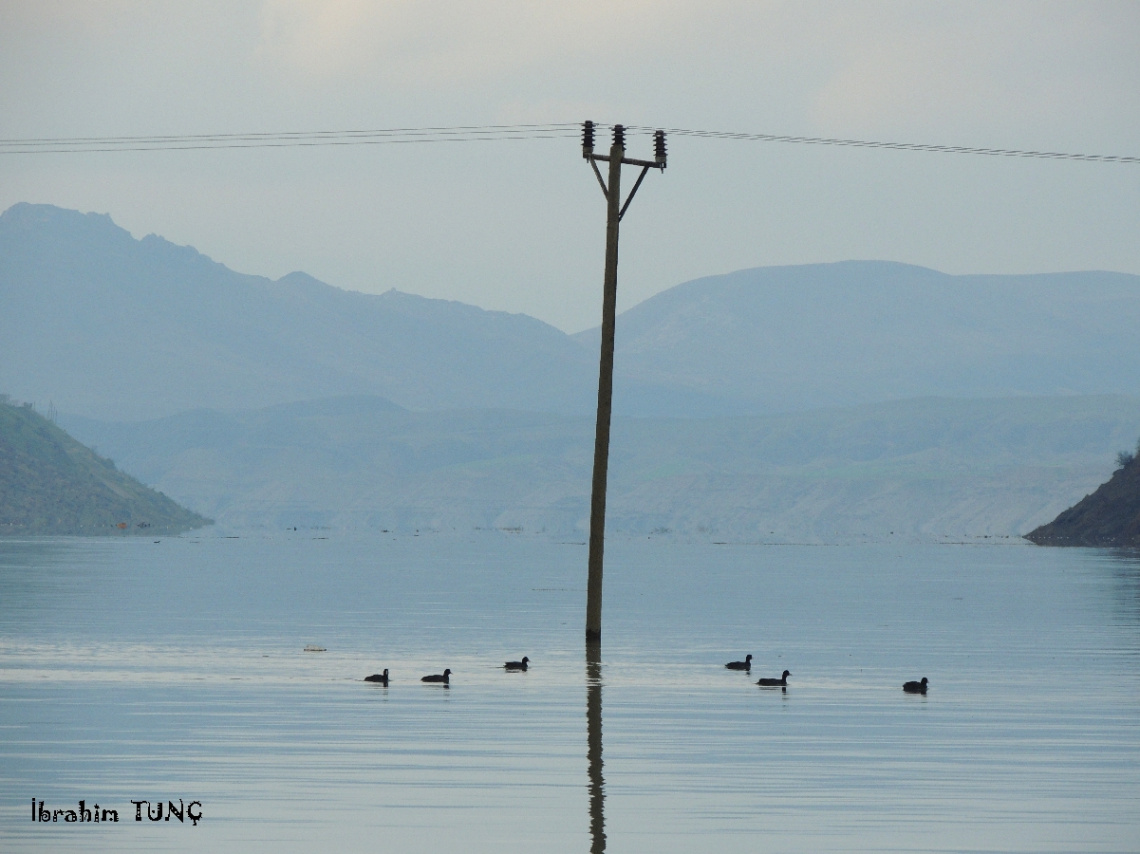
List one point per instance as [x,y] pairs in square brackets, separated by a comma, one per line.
[896,146]
[290,139]
[481,133]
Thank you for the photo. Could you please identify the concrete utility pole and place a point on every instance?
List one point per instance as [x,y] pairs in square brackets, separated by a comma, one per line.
[615,211]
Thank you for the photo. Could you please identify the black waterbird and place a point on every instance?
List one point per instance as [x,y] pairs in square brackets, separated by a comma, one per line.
[517,665]
[915,687]
[438,677]
[382,678]
[782,682]
[741,665]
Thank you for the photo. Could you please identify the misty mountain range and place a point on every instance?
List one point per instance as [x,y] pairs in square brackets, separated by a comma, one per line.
[914,401]
[111,327]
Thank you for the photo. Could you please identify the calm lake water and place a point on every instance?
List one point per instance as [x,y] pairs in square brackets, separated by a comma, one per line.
[136,670]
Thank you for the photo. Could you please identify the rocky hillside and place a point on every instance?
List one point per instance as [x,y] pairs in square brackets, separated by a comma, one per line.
[1108,517]
[51,484]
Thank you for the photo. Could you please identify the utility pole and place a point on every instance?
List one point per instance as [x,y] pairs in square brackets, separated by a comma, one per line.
[615,211]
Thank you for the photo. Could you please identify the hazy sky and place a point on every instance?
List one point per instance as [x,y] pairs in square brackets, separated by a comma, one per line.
[519,226]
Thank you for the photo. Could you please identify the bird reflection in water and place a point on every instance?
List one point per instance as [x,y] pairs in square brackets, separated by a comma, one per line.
[594,746]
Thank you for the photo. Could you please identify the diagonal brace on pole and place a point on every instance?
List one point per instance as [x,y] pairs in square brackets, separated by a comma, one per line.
[601,180]
[633,192]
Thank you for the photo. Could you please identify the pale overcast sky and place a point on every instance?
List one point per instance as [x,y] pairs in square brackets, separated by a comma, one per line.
[519,226]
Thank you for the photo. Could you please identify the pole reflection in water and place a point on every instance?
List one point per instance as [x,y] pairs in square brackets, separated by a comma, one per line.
[594,746]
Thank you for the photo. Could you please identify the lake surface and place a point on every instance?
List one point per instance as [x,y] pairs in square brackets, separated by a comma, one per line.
[142,670]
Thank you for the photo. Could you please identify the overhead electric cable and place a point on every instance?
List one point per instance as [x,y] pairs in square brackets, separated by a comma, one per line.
[480,133]
[897,146]
[289,139]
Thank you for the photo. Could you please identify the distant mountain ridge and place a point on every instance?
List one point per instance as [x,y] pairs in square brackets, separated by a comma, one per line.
[110,326]
[107,326]
[787,338]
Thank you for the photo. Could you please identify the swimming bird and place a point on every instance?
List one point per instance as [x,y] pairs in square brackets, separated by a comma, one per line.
[439,677]
[782,682]
[915,687]
[517,665]
[382,678]
[741,665]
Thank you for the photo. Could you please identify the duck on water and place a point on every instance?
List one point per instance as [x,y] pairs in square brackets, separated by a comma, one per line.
[382,678]
[439,677]
[517,665]
[741,665]
[769,682]
[915,687]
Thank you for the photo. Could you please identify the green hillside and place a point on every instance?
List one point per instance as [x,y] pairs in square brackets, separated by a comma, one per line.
[51,484]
